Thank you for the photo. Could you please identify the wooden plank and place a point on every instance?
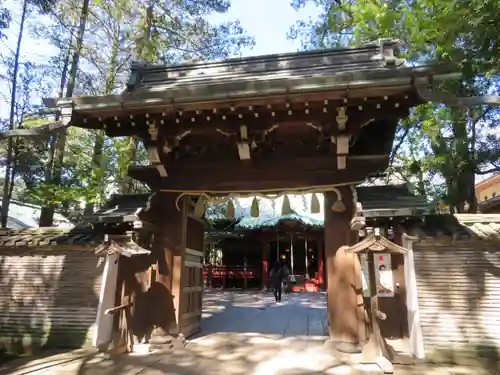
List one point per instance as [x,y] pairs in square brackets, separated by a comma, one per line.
[193,265]
[194,252]
[228,177]
[189,289]
[192,258]
[179,270]
[192,314]
[196,218]
[35,132]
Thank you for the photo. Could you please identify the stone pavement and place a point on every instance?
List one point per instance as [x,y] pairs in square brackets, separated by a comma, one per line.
[242,333]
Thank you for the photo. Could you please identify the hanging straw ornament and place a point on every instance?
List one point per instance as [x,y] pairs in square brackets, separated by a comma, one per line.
[338,206]
[286,209]
[230,209]
[254,210]
[199,208]
[315,208]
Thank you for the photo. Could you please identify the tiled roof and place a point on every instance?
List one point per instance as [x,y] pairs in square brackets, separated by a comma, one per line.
[269,222]
[489,204]
[40,237]
[121,244]
[390,197]
[462,226]
[377,201]
[120,208]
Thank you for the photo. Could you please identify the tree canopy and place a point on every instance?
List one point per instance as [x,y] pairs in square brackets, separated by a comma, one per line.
[438,149]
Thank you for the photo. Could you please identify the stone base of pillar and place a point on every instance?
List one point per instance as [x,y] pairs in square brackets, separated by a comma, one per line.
[351,354]
[337,346]
[161,340]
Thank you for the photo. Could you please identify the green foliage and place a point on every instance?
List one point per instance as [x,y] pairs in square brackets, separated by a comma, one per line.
[5,19]
[117,31]
[438,149]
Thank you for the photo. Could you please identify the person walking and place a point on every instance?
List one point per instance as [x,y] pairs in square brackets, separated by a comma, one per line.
[276,280]
[285,276]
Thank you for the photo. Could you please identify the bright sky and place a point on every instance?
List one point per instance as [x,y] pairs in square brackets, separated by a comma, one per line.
[266,20]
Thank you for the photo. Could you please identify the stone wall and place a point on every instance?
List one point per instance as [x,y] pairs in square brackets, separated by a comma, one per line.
[459,298]
[48,298]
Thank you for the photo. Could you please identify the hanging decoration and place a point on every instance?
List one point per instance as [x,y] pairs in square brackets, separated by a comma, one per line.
[221,197]
[338,206]
[254,210]
[199,208]
[230,209]
[315,208]
[286,209]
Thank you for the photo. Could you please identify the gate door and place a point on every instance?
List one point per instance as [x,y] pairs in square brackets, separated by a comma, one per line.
[191,278]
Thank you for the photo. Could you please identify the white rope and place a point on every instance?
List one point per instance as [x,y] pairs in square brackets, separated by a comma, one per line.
[213,196]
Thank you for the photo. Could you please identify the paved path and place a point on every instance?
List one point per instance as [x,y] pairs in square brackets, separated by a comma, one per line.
[242,333]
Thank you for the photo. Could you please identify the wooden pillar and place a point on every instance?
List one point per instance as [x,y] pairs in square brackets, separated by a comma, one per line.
[277,246]
[210,282]
[265,263]
[306,251]
[104,322]
[209,265]
[321,264]
[341,275]
[414,326]
[245,267]
[168,240]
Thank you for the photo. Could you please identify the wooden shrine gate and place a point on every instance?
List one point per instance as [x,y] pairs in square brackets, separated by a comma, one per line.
[188,281]
[234,128]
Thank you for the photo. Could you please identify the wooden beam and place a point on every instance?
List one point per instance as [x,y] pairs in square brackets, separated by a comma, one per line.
[429,95]
[35,132]
[205,122]
[313,162]
[89,107]
[226,177]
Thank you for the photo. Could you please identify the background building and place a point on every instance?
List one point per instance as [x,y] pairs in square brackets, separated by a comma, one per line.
[487,194]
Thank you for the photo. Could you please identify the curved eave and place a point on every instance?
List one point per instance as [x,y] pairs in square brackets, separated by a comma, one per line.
[172,96]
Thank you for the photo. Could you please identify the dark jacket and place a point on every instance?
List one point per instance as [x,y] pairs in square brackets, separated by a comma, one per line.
[276,276]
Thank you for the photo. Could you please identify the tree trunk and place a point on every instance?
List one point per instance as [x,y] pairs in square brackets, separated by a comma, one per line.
[61,141]
[46,213]
[99,140]
[144,51]
[463,170]
[9,169]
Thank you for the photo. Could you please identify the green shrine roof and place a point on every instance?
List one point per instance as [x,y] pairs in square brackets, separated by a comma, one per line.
[269,222]
[377,201]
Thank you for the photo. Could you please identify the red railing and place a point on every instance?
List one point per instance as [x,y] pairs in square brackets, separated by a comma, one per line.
[231,272]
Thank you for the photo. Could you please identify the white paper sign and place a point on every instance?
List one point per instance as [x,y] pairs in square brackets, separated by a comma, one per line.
[383,274]
[365,276]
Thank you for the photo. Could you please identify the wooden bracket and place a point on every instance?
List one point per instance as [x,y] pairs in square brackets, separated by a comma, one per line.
[243,145]
[342,142]
[154,159]
[342,118]
[357,223]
